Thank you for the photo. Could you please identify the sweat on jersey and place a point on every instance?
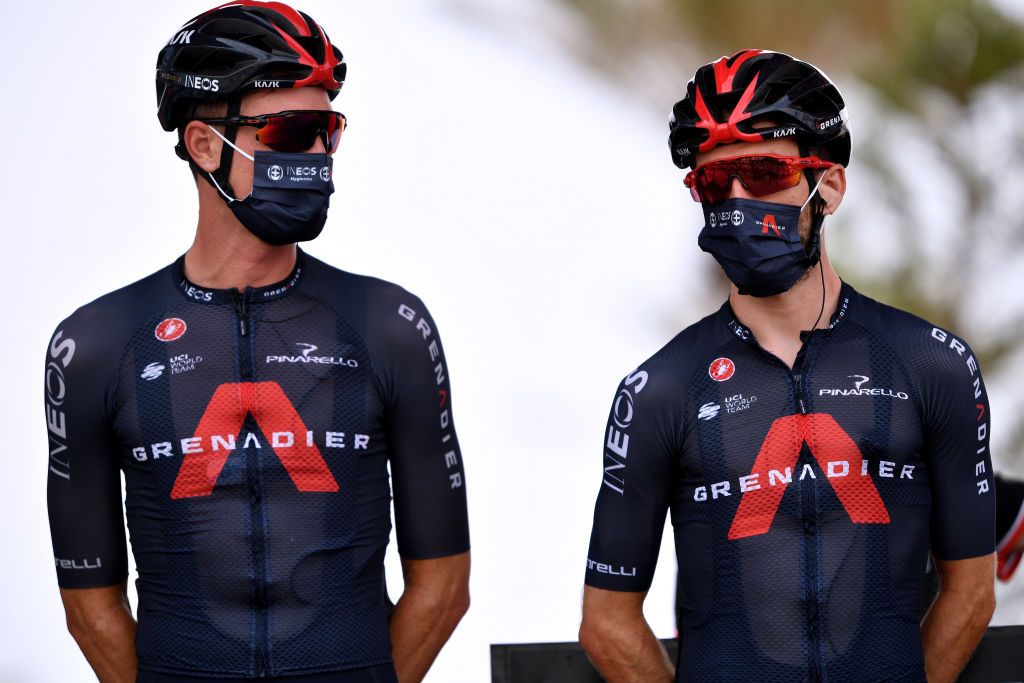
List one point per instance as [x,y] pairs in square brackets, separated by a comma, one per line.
[805,502]
[255,432]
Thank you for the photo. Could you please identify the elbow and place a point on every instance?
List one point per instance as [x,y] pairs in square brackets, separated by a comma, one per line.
[454,600]
[449,603]
[75,626]
[458,604]
[78,621]
[983,602]
[595,635]
[979,603]
[81,624]
[987,607]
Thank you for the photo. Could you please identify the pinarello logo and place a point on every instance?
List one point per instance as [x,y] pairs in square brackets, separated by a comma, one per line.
[721,369]
[170,329]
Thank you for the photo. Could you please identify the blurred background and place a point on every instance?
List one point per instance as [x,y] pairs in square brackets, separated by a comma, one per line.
[508,163]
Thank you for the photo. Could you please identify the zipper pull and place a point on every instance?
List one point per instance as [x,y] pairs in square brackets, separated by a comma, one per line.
[243,314]
[800,394]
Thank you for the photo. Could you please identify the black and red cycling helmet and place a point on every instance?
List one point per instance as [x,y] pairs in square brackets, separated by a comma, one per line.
[239,47]
[727,97]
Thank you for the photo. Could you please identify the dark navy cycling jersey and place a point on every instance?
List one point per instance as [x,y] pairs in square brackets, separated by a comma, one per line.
[805,502]
[255,432]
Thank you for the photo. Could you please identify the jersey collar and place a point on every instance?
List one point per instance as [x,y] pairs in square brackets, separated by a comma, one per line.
[847,294]
[206,295]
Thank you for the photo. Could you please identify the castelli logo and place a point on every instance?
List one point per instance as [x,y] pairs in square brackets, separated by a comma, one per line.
[721,369]
[170,329]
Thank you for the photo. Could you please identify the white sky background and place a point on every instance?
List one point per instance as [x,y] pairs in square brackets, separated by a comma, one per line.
[532,207]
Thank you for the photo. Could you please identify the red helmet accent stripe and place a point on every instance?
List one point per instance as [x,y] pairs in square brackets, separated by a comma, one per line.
[724,74]
[724,133]
[322,74]
[284,10]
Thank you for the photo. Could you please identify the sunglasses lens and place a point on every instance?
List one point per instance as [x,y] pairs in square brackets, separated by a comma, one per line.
[760,176]
[765,175]
[712,183]
[298,131]
[335,127]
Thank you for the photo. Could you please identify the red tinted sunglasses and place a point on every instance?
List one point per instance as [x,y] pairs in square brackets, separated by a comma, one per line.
[295,130]
[760,175]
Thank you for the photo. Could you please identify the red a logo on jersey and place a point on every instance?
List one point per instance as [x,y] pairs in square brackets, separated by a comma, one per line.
[828,443]
[273,412]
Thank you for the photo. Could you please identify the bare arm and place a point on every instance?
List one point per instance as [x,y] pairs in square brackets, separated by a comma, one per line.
[435,598]
[618,640]
[958,617]
[101,622]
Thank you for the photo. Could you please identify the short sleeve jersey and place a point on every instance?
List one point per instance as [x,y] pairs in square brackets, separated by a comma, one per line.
[805,502]
[255,432]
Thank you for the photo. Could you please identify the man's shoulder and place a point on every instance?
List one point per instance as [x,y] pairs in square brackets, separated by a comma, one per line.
[930,351]
[890,319]
[690,349]
[338,283]
[116,311]
[95,334]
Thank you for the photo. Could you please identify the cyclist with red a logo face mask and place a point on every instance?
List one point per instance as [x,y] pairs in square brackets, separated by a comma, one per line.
[813,447]
[263,407]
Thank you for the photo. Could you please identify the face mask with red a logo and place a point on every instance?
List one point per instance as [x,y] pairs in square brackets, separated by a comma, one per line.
[757,244]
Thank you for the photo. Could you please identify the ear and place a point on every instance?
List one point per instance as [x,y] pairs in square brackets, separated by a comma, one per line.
[833,187]
[203,145]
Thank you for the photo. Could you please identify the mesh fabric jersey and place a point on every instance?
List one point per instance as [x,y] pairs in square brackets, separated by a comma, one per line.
[255,432]
[805,501]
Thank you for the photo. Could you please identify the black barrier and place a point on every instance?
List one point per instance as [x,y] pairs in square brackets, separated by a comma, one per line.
[998,659]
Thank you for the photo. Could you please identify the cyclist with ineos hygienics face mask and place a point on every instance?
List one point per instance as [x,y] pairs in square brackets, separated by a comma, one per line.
[813,447]
[262,406]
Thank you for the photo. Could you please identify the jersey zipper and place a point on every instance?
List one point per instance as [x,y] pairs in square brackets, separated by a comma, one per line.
[801,404]
[809,543]
[258,545]
[242,309]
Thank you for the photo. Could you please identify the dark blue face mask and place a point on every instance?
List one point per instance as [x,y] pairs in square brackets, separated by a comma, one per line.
[291,193]
[757,244]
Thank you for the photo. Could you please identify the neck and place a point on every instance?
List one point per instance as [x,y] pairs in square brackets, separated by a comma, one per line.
[224,255]
[778,320]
